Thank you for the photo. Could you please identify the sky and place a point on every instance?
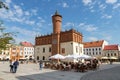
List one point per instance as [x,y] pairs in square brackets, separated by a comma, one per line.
[95,19]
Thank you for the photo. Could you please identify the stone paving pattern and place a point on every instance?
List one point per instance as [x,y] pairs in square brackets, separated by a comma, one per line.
[32,72]
[107,74]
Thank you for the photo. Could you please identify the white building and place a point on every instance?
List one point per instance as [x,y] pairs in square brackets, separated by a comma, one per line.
[95,48]
[28,50]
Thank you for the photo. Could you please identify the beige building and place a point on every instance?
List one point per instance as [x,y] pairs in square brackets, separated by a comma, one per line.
[111,52]
[16,52]
[6,53]
[24,50]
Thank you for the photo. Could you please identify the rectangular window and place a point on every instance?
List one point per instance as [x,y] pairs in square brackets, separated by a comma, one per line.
[96,49]
[80,49]
[89,49]
[99,49]
[49,49]
[86,49]
[63,50]
[14,48]
[99,53]
[76,49]
[43,50]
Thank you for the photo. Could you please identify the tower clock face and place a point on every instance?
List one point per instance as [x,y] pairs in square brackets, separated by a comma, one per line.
[54,41]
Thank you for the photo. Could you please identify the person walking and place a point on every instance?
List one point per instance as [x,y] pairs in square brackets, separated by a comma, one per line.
[11,65]
[40,64]
[15,65]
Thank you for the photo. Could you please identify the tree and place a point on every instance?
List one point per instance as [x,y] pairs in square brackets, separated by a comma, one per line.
[2,5]
[5,37]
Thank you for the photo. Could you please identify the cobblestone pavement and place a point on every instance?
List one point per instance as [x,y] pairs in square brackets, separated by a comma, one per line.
[107,74]
[32,72]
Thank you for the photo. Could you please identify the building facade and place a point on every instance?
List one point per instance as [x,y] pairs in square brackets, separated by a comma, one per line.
[28,49]
[5,53]
[59,42]
[24,50]
[16,52]
[111,52]
[95,48]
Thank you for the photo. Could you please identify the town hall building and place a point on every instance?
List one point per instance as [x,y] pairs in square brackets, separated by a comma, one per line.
[59,42]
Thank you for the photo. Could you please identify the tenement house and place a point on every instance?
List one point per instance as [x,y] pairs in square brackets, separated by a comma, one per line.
[111,52]
[95,48]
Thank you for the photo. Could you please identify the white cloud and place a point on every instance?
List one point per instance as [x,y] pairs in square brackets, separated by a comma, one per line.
[34,11]
[116,6]
[92,38]
[88,27]
[65,5]
[69,24]
[91,28]
[24,34]
[105,16]
[111,1]
[108,38]
[27,13]
[81,24]
[7,2]
[86,2]
[30,22]
[18,11]
[23,31]
[17,14]
[102,6]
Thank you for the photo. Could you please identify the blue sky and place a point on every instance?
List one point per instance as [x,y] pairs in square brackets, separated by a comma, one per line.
[95,19]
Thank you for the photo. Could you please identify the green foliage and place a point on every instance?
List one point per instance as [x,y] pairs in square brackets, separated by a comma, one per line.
[2,5]
[5,37]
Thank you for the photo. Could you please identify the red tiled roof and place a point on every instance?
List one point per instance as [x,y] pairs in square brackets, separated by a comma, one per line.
[93,44]
[111,47]
[27,44]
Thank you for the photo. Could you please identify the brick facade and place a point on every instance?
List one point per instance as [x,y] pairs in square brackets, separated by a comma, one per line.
[58,36]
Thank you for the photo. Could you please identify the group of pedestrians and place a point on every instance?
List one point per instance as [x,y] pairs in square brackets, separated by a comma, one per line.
[13,66]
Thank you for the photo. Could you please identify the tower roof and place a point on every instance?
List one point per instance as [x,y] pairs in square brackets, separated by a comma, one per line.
[57,14]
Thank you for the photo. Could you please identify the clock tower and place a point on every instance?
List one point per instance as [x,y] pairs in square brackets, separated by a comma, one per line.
[56,20]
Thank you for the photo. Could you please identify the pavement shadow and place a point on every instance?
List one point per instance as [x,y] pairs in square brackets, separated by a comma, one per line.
[107,74]
[1,79]
[6,72]
[54,75]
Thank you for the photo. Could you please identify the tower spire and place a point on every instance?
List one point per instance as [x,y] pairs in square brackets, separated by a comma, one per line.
[56,13]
